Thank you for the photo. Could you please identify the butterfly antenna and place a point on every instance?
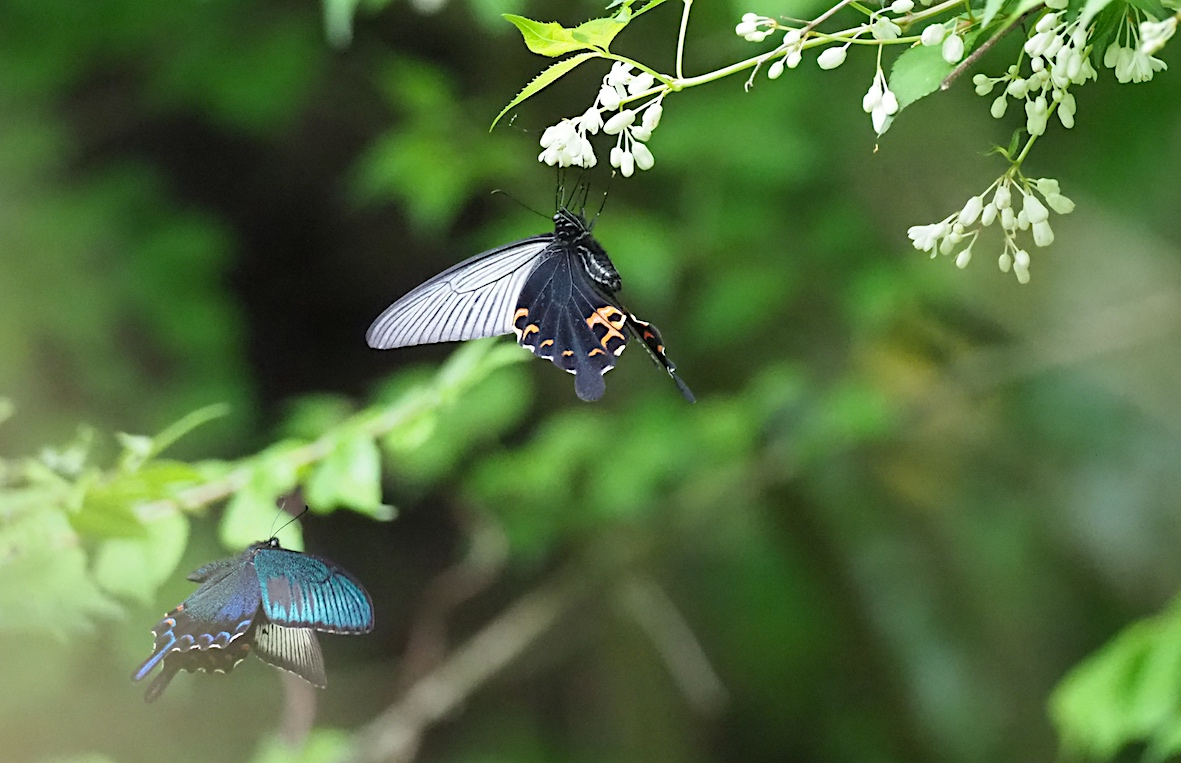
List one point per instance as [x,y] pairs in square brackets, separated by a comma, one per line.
[523,204]
[602,203]
[275,534]
[560,190]
[583,191]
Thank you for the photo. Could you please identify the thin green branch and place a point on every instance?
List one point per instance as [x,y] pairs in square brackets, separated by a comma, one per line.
[681,39]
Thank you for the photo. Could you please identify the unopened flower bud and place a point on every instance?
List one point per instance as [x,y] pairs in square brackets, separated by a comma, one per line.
[971,211]
[831,58]
[1060,203]
[953,49]
[644,158]
[1034,209]
[621,120]
[1042,234]
[933,35]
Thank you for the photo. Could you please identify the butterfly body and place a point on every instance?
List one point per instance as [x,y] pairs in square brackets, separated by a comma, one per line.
[268,600]
[555,291]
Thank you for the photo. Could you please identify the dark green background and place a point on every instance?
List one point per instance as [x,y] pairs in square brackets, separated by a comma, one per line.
[909,499]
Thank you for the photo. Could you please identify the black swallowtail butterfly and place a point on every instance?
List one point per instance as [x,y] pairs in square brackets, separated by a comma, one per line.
[555,291]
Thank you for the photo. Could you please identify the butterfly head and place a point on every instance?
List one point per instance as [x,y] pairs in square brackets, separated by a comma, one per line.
[570,227]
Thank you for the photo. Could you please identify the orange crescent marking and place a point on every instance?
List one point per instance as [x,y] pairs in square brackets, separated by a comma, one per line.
[546,343]
[596,351]
[567,353]
[530,329]
[602,317]
[521,312]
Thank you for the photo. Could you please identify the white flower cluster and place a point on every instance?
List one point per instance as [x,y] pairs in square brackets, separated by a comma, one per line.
[952,44]
[566,143]
[755,28]
[880,103]
[1059,56]
[946,235]
[1133,62]
[1154,34]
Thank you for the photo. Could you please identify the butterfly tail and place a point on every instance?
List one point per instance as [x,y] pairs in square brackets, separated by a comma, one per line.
[588,371]
[654,344]
[165,634]
[160,682]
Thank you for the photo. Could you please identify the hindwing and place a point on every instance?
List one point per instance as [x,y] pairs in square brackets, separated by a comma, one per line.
[208,631]
[293,649]
[563,317]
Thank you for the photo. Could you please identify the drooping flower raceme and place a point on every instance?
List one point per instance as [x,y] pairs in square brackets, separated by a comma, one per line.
[880,103]
[566,143]
[1059,58]
[1014,203]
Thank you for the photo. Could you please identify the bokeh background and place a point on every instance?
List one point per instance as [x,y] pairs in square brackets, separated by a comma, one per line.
[909,500]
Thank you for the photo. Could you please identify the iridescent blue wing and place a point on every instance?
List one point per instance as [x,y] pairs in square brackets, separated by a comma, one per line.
[214,570]
[467,301]
[208,631]
[563,316]
[294,649]
[305,591]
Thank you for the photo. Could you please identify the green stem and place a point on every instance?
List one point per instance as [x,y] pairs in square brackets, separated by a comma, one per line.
[681,39]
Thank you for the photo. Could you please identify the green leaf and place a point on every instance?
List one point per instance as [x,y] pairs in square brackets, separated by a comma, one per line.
[598,33]
[320,746]
[135,568]
[1020,9]
[108,508]
[338,21]
[544,80]
[1153,7]
[991,9]
[1092,9]
[248,517]
[1106,24]
[186,424]
[647,7]
[349,477]
[917,73]
[1128,692]
[920,70]
[44,585]
[545,38]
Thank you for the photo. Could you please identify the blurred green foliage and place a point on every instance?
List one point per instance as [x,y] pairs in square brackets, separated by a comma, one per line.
[909,504]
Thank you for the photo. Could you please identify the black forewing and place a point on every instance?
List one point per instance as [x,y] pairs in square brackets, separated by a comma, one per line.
[563,317]
[470,300]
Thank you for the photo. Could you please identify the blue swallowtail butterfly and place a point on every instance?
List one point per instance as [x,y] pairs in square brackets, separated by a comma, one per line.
[267,600]
[555,291]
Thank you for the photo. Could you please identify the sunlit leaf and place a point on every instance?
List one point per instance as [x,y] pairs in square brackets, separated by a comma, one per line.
[250,516]
[108,507]
[543,80]
[598,32]
[45,586]
[135,568]
[547,38]
[350,477]
[918,72]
